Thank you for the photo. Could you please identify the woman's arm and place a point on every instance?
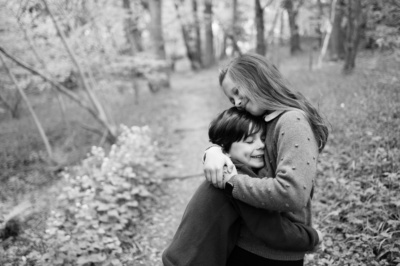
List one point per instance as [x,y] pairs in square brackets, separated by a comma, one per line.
[296,158]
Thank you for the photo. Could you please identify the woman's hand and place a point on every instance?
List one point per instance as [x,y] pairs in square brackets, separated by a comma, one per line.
[228,175]
[214,164]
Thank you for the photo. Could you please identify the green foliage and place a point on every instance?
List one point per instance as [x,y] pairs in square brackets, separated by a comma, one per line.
[358,204]
[383,24]
[101,202]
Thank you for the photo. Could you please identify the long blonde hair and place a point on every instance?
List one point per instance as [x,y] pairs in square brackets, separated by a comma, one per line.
[262,82]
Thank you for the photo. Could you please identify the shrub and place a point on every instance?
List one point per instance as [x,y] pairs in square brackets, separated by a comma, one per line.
[101,201]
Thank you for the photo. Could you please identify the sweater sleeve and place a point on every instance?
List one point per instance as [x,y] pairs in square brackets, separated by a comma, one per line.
[297,152]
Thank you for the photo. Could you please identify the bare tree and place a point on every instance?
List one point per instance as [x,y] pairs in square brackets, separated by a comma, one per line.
[132,32]
[328,33]
[292,7]
[189,38]
[261,48]
[155,8]
[39,58]
[282,28]
[337,38]
[271,32]
[196,25]
[354,18]
[209,55]
[232,32]
[98,107]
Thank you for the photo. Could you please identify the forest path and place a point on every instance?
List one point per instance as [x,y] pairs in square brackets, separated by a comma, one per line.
[198,99]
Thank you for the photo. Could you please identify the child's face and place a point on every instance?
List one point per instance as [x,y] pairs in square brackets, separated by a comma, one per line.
[239,99]
[249,151]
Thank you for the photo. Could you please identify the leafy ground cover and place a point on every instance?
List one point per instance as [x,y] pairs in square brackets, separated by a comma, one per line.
[356,202]
[357,199]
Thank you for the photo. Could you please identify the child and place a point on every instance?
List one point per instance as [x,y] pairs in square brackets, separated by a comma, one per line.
[296,134]
[210,225]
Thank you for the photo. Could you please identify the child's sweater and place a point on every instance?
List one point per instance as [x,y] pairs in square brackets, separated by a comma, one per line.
[291,156]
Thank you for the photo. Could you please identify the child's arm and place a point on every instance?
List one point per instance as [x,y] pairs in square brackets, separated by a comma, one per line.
[273,228]
[276,230]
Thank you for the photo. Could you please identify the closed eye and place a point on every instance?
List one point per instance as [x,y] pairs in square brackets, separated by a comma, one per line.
[249,140]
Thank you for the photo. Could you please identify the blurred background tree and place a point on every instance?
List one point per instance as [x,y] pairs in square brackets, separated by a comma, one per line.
[74,50]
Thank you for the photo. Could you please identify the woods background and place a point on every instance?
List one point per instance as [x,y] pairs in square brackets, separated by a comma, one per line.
[89,91]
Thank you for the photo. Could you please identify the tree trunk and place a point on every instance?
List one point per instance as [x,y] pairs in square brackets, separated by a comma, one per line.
[271,32]
[196,23]
[156,31]
[222,55]
[328,34]
[209,56]
[320,16]
[190,43]
[352,34]
[294,33]
[235,29]
[293,11]
[336,43]
[282,29]
[259,18]
[132,32]
[32,112]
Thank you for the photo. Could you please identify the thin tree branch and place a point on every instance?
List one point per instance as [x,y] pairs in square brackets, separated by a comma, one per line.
[92,97]
[60,87]
[35,118]
[267,4]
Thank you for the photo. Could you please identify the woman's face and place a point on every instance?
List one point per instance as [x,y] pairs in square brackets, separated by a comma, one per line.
[238,99]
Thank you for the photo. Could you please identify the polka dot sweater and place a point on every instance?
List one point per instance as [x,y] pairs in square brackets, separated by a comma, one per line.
[288,178]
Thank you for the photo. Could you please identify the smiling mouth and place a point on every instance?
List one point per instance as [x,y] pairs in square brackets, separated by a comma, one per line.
[258,156]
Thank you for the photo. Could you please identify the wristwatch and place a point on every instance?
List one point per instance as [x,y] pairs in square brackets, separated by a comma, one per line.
[228,188]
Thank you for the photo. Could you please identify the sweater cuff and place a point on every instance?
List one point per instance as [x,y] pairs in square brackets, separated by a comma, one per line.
[205,151]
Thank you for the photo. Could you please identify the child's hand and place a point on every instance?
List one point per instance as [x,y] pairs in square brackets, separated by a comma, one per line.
[320,245]
[214,164]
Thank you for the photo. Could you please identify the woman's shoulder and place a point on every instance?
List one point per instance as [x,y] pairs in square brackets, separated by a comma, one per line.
[292,116]
[292,121]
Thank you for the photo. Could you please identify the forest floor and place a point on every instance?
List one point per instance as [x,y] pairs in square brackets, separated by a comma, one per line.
[356,201]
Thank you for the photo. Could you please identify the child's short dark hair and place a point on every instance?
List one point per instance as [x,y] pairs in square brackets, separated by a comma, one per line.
[233,125]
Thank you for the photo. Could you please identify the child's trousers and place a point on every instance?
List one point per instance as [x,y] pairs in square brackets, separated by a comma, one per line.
[211,224]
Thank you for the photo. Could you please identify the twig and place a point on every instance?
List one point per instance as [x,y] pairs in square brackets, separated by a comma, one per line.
[30,108]
[57,85]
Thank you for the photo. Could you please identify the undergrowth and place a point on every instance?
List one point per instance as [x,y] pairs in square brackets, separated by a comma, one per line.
[357,202]
[99,204]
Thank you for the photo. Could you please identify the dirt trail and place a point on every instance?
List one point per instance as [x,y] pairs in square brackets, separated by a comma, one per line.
[199,100]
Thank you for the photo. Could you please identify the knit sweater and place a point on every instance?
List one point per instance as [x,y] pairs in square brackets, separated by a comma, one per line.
[290,159]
